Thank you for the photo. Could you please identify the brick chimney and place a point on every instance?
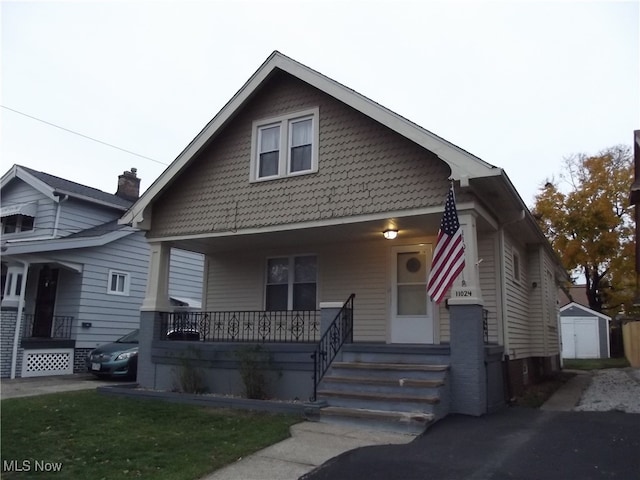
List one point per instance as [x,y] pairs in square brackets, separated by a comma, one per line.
[129,185]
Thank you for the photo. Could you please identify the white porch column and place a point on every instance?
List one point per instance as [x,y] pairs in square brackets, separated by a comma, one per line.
[157,296]
[466,288]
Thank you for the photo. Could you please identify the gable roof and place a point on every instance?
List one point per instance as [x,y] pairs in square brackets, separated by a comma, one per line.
[463,164]
[55,187]
[574,293]
[586,310]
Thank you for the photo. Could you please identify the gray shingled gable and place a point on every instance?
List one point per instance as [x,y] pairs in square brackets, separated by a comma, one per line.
[74,188]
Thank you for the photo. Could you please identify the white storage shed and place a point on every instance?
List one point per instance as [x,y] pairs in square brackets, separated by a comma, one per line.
[585,332]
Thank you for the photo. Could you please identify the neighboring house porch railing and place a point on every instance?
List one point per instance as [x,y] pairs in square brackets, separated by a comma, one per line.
[339,331]
[60,327]
[281,326]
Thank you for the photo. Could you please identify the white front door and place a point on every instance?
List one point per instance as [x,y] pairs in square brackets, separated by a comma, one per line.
[411,310]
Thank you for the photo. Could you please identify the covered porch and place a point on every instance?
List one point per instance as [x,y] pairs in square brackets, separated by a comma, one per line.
[386,340]
[37,334]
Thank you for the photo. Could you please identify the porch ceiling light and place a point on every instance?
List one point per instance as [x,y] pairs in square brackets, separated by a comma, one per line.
[390,234]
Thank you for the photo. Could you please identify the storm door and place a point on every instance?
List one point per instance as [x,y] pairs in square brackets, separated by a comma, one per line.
[411,310]
[45,302]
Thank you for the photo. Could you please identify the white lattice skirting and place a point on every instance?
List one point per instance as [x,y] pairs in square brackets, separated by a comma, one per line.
[39,363]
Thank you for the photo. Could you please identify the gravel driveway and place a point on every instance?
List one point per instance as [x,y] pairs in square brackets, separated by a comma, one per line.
[615,389]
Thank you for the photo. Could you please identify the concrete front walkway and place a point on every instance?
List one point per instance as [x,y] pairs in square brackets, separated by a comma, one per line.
[31,386]
[311,444]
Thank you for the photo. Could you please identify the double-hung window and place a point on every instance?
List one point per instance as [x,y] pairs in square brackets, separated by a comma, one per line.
[284,146]
[118,283]
[291,283]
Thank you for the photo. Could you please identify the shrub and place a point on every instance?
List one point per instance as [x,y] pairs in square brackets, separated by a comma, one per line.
[189,377]
[254,365]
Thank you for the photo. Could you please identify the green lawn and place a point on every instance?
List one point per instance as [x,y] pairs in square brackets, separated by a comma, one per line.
[595,363]
[103,437]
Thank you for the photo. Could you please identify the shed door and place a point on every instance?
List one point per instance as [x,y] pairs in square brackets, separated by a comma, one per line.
[411,309]
[580,337]
[586,334]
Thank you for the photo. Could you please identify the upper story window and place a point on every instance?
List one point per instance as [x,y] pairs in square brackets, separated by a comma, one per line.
[118,283]
[17,223]
[285,146]
[18,217]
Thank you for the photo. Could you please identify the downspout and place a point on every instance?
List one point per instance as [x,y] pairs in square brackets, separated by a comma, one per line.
[16,334]
[57,221]
[503,307]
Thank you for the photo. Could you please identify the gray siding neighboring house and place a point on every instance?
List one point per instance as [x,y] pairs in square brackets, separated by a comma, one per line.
[287,192]
[72,277]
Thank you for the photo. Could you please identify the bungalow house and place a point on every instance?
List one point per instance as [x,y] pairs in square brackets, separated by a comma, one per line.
[72,278]
[317,211]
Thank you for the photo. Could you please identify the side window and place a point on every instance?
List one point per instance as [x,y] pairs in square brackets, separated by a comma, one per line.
[516,267]
[284,146]
[12,285]
[118,283]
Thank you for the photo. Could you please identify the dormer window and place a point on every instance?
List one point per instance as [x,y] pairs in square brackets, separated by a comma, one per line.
[285,146]
[18,217]
[17,223]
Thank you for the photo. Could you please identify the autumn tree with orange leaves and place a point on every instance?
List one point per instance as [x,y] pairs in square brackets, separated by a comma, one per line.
[587,218]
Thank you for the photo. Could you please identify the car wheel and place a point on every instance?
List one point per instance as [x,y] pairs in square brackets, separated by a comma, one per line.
[133,368]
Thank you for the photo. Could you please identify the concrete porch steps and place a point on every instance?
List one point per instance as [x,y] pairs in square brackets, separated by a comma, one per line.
[384,397]
[413,367]
[397,421]
[405,397]
[403,382]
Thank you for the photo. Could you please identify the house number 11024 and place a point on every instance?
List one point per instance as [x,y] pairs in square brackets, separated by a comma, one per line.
[463,293]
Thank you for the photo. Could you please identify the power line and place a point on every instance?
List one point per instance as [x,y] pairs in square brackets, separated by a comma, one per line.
[82,135]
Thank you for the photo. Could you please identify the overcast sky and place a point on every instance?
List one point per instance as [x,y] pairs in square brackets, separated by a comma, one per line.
[519,84]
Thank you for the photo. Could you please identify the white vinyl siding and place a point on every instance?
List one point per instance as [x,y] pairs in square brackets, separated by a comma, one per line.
[517,303]
[234,282]
[537,308]
[489,282]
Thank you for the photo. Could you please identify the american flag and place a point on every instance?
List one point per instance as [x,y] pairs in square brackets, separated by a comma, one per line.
[448,256]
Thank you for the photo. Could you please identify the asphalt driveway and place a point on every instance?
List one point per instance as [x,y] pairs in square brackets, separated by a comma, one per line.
[515,443]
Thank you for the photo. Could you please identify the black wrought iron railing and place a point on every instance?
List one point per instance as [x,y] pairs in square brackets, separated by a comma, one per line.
[339,332]
[281,326]
[59,327]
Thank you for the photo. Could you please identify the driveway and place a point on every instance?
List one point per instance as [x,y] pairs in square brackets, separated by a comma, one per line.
[516,443]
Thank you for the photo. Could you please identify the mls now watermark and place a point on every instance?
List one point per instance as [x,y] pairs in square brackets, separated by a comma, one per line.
[30,466]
